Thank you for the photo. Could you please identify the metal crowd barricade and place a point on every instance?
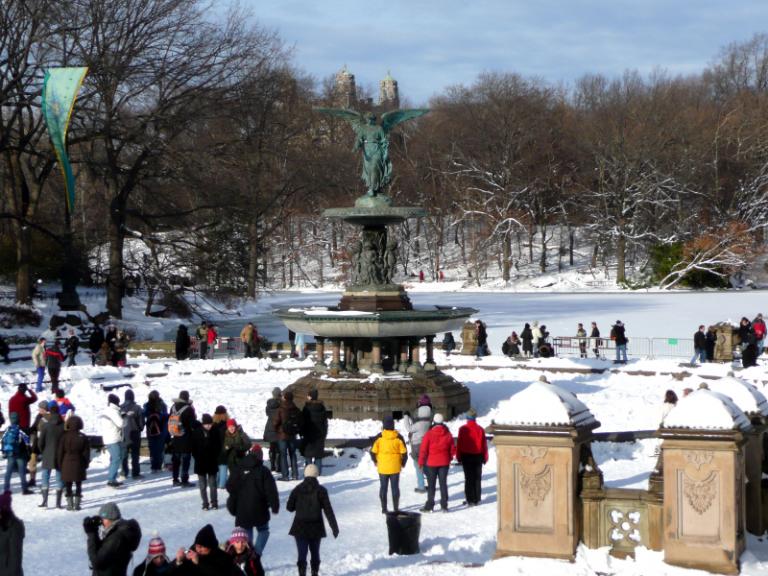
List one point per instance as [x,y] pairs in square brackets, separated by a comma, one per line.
[636,347]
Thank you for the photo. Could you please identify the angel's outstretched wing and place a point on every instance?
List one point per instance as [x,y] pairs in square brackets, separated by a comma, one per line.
[391,119]
[354,118]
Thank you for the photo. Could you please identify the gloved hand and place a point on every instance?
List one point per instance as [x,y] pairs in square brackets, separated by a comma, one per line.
[91,524]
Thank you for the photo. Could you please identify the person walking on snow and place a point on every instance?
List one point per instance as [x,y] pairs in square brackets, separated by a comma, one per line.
[309,500]
[72,346]
[390,455]
[48,440]
[206,446]
[15,448]
[20,403]
[133,425]
[38,360]
[472,454]
[314,430]
[437,451]
[112,436]
[72,458]
[699,346]
[618,335]
[416,428]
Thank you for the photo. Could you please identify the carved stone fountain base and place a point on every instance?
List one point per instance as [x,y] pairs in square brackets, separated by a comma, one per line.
[364,396]
[390,298]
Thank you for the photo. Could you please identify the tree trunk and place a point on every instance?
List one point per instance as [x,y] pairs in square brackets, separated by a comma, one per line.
[531,236]
[116,241]
[506,256]
[543,257]
[621,264]
[571,241]
[23,255]
[253,256]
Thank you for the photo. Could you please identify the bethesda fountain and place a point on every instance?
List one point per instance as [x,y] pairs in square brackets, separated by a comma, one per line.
[375,334]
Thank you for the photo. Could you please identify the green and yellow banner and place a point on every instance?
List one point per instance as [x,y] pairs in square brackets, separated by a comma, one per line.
[60,89]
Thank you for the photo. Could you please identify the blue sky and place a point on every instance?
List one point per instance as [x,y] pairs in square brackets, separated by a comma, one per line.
[431,44]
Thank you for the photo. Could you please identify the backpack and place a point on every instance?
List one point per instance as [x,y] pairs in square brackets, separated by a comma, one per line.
[153,425]
[175,426]
[292,426]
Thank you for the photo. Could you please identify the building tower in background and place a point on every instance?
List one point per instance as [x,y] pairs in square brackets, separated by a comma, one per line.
[389,97]
[345,89]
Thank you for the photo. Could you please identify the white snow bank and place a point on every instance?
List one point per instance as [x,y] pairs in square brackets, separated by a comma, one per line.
[744,394]
[707,410]
[544,404]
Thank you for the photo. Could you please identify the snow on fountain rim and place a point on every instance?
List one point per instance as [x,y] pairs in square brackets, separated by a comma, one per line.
[543,404]
[706,410]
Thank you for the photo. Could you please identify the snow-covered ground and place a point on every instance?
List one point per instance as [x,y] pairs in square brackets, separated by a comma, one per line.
[461,542]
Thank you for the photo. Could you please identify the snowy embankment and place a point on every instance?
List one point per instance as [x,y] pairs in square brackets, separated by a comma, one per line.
[461,542]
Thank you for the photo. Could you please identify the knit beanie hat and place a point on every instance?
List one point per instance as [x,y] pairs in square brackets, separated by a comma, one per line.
[43,404]
[389,423]
[184,395]
[276,393]
[207,419]
[231,422]
[257,451]
[109,511]
[238,534]
[220,410]
[471,414]
[311,471]
[425,400]
[5,502]
[207,537]
[156,548]
[438,418]
[113,399]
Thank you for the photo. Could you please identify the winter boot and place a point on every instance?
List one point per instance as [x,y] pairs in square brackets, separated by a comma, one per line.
[302,568]
[315,565]
[78,499]
[70,505]
[396,503]
[59,494]
[44,503]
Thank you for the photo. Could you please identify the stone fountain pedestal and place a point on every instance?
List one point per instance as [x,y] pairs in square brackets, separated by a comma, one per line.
[375,335]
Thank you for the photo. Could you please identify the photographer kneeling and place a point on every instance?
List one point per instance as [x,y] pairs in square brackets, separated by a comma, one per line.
[110,553]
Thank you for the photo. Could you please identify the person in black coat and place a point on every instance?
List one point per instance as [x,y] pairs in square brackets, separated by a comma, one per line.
[270,433]
[595,336]
[95,340]
[182,343]
[310,500]
[314,430]
[699,346]
[204,557]
[72,345]
[110,552]
[48,440]
[181,445]
[526,335]
[252,495]
[619,337]
[206,446]
[73,455]
[449,344]
[12,535]
[710,342]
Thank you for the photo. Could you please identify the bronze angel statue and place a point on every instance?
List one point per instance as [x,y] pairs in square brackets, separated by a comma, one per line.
[373,140]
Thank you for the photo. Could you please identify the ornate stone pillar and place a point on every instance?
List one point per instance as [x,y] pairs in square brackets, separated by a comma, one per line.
[376,366]
[430,365]
[415,366]
[538,463]
[704,481]
[320,354]
[404,354]
[335,366]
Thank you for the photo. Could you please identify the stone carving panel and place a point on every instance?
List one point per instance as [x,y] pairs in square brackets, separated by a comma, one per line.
[698,506]
[533,453]
[534,500]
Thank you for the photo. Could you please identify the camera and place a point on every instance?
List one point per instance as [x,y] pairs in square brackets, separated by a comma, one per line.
[91,523]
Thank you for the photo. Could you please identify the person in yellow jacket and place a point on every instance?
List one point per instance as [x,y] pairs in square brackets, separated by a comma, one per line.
[390,454]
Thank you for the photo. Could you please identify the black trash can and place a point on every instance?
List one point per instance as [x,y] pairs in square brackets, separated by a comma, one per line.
[403,529]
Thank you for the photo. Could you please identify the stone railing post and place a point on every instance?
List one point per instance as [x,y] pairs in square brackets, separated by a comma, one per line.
[538,438]
[320,354]
[704,496]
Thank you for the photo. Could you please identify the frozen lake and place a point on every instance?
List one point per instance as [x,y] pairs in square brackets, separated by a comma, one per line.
[645,314]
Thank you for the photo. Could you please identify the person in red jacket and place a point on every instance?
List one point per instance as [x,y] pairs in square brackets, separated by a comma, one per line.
[211,335]
[472,453]
[20,403]
[435,455]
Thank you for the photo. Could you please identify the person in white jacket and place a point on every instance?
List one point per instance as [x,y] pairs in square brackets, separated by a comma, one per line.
[112,435]
[417,427]
[38,359]
[536,332]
